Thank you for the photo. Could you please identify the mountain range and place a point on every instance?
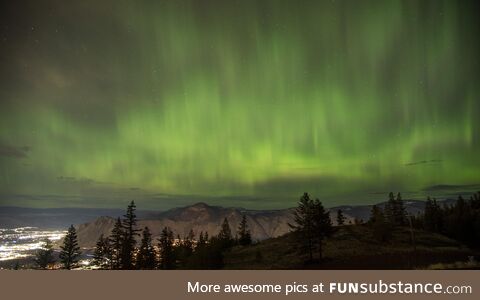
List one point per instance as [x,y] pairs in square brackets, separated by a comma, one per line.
[198,217]
[91,223]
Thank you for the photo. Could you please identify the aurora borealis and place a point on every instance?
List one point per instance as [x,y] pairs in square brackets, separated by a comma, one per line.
[236,103]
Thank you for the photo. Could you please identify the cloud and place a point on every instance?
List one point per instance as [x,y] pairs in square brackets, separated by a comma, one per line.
[14,151]
[452,187]
[424,162]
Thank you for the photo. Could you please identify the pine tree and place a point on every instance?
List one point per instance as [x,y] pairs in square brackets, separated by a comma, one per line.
[201,240]
[460,221]
[167,258]
[44,256]
[438,217]
[399,211]
[322,225]
[188,243]
[429,215]
[381,228]
[102,256]
[340,218]
[394,211]
[147,256]
[302,217]
[98,253]
[129,241]
[460,206]
[245,238]
[224,237]
[374,212]
[389,210]
[212,256]
[184,250]
[70,253]
[475,201]
[199,258]
[116,241]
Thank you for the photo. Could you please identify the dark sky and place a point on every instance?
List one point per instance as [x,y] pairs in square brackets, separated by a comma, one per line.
[237,103]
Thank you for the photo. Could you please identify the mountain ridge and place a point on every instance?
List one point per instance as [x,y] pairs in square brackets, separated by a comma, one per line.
[200,216]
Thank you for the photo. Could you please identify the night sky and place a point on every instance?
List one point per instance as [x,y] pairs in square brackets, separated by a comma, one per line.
[237,103]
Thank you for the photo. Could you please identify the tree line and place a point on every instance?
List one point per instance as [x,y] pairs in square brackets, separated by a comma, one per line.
[460,221]
[383,220]
[119,250]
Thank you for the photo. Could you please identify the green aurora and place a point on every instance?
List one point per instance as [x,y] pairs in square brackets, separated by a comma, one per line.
[236,103]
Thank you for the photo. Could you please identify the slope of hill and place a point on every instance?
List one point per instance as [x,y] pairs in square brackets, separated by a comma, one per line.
[351,247]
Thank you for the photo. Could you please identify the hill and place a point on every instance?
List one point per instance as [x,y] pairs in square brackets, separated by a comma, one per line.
[351,247]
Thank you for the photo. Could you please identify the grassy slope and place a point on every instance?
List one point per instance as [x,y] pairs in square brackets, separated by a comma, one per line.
[351,247]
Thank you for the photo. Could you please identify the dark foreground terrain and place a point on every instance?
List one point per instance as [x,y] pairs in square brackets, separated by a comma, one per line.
[354,247]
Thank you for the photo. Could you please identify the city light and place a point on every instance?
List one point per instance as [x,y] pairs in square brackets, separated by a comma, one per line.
[22,242]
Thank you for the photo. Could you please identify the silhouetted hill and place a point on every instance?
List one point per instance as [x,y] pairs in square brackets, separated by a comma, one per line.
[351,247]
